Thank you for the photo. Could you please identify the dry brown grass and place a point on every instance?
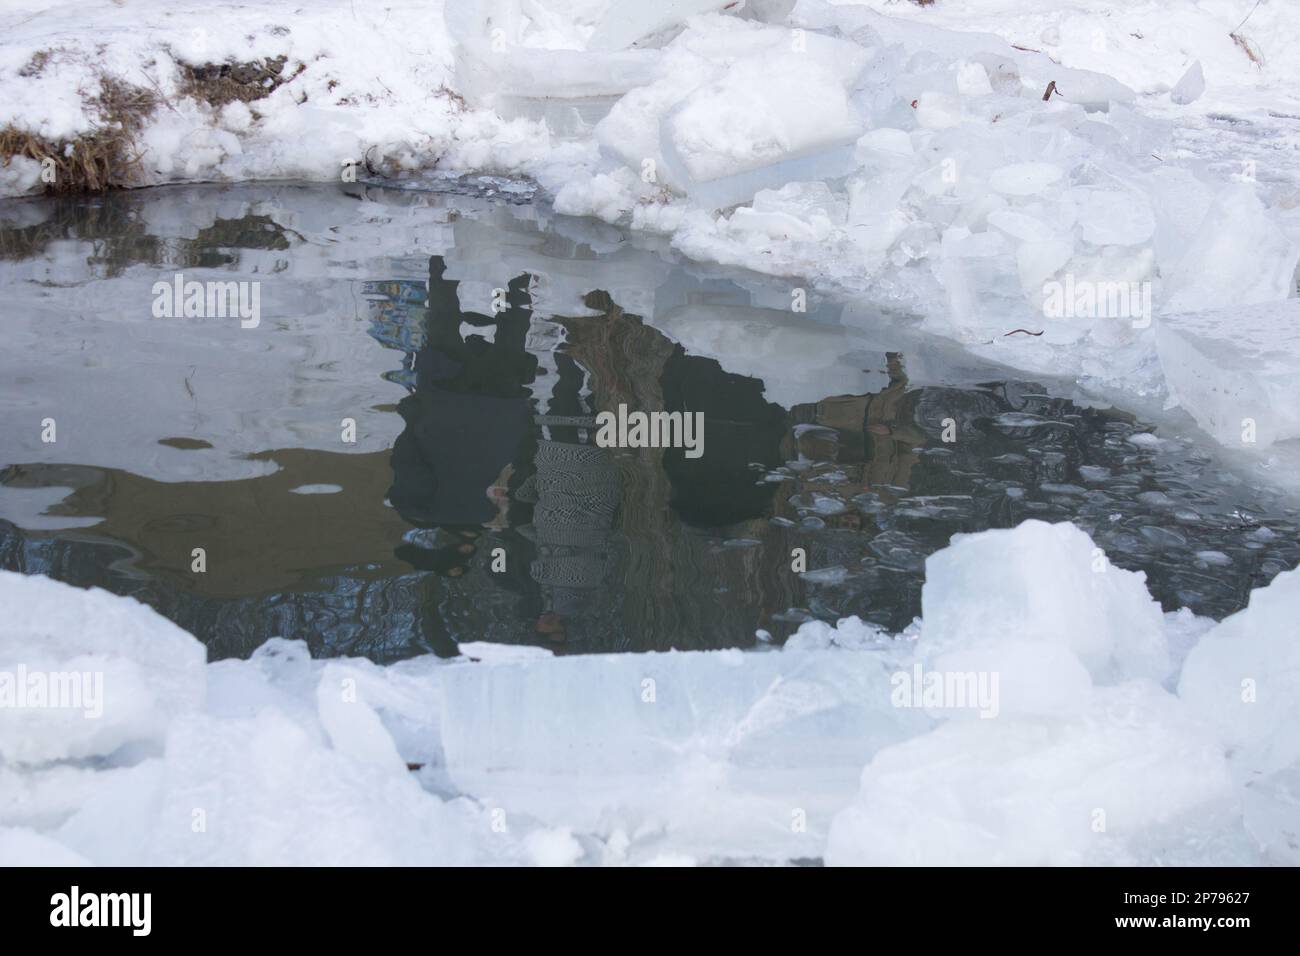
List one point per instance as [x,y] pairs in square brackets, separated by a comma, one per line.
[220,83]
[104,158]
[1248,48]
[36,65]
[108,156]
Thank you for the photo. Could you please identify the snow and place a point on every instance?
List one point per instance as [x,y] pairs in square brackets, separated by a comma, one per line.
[820,749]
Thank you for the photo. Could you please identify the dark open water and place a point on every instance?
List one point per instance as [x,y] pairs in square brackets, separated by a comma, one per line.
[473,503]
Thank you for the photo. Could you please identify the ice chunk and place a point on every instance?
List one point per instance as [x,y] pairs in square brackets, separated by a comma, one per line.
[1095,92]
[1019,226]
[1239,257]
[553,847]
[1033,791]
[1236,370]
[712,744]
[884,141]
[805,211]
[1244,678]
[1271,807]
[20,846]
[938,110]
[630,133]
[831,575]
[1190,87]
[973,79]
[626,21]
[84,673]
[770,120]
[1002,73]
[849,632]
[1025,179]
[1110,217]
[270,791]
[350,722]
[485,76]
[570,89]
[1037,261]
[1043,582]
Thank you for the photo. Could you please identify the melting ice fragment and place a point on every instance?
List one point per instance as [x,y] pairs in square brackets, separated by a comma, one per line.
[1190,87]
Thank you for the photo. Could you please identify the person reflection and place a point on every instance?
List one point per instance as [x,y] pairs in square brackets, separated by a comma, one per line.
[474,458]
[467,418]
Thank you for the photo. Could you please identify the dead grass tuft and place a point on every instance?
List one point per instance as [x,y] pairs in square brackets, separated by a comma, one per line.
[105,158]
[220,83]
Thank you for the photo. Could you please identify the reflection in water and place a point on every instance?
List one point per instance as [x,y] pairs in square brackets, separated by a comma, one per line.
[475,504]
[593,545]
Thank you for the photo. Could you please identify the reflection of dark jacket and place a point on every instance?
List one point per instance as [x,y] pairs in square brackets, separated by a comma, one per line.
[469,414]
[454,446]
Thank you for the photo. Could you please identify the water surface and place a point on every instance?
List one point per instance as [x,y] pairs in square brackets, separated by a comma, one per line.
[471,342]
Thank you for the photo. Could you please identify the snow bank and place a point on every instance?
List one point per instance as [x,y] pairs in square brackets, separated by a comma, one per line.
[510,755]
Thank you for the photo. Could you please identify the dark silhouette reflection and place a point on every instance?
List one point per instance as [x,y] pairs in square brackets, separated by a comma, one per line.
[499,450]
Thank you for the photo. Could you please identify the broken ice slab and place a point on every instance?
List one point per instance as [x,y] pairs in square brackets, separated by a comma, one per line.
[484,76]
[626,21]
[1239,256]
[495,70]
[1190,87]
[714,745]
[770,120]
[1236,370]
[808,165]
[566,118]
[1095,92]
